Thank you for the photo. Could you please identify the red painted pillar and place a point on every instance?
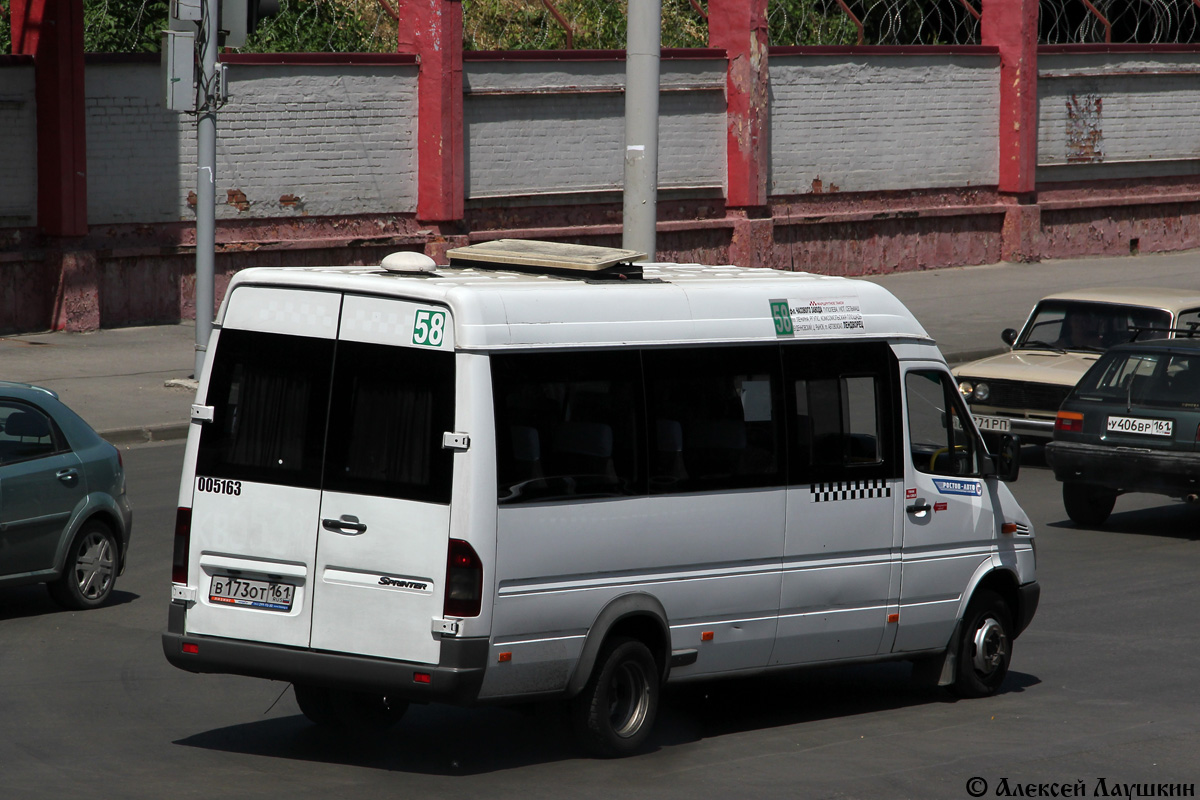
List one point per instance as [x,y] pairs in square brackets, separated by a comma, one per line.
[1012,26]
[52,32]
[740,28]
[432,30]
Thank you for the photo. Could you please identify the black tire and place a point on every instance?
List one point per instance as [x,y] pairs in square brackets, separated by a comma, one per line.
[985,646]
[615,712]
[316,703]
[90,571]
[360,713]
[1088,505]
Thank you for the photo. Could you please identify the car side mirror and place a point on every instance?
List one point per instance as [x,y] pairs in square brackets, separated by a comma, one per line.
[1006,463]
[1009,335]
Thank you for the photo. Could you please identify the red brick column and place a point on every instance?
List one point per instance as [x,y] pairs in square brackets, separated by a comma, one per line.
[432,30]
[1012,26]
[740,28]
[52,32]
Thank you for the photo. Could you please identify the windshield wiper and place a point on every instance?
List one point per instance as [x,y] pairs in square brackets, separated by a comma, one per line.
[1038,344]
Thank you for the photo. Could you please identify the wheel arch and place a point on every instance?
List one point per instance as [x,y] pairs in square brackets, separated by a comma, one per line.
[1003,582]
[97,512]
[636,615]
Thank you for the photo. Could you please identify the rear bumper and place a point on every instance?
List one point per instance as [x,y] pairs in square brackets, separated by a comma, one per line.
[1125,469]
[455,679]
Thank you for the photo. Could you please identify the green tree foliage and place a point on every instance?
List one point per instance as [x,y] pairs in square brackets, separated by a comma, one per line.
[325,26]
[133,26]
[595,24]
[123,26]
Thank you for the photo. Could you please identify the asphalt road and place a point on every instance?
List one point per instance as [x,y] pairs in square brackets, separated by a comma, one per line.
[1102,687]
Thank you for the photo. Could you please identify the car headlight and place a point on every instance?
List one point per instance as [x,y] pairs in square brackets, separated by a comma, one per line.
[966,388]
[982,391]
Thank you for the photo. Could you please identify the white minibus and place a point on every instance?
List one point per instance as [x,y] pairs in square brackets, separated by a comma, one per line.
[550,471]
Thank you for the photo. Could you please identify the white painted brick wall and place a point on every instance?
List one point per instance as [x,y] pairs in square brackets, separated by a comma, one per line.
[534,127]
[340,138]
[1148,107]
[18,147]
[878,123]
[133,146]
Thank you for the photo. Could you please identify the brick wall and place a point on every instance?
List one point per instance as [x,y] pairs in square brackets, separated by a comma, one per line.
[1118,115]
[535,127]
[133,146]
[18,147]
[856,123]
[294,140]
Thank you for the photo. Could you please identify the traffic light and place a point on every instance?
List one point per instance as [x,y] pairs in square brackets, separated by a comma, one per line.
[239,18]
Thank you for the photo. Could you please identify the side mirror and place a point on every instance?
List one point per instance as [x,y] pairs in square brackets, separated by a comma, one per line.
[1006,463]
[1009,335]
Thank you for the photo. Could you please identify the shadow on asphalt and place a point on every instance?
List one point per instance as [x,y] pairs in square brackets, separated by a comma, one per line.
[444,740]
[34,601]
[1174,519]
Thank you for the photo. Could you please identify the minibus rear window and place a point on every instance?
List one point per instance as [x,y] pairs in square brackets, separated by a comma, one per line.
[269,393]
[389,409]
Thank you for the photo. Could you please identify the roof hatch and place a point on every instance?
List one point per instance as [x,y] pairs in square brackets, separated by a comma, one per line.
[552,258]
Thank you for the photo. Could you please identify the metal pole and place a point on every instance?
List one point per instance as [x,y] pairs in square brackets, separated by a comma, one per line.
[643,43]
[206,167]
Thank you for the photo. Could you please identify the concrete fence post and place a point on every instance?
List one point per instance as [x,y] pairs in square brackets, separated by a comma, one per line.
[1012,26]
[739,27]
[432,31]
[52,32]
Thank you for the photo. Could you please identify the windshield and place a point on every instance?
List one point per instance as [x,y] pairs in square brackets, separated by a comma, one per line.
[1072,325]
[1168,380]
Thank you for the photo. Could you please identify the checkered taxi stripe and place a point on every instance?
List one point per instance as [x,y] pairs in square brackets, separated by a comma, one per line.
[849,490]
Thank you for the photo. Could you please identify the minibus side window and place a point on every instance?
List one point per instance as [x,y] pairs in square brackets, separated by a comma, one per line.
[388,411]
[841,412]
[713,418]
[567,425]
[269,393]
[940,434]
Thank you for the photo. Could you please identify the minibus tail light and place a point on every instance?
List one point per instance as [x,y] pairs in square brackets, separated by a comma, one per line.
[1069,421]
[464,581]
[183,542]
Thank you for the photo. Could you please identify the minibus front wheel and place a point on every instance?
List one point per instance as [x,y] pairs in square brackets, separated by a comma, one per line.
[985,649]
[614,713]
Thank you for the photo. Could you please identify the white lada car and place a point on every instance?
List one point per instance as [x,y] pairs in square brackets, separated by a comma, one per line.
[1020,391]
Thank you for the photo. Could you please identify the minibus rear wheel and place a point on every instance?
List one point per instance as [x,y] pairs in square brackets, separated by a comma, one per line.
[351,712]
[985,648]
[614,713]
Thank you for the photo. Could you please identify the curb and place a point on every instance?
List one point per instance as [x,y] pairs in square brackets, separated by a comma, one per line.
[168,432]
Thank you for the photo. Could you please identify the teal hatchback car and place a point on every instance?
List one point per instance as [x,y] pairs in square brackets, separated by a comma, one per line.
[64,514]
[1131,424]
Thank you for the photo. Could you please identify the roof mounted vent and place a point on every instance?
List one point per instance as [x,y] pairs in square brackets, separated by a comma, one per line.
[408,263]
[550,258]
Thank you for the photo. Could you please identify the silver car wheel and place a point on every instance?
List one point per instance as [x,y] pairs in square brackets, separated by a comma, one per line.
[991,647]
[95,565]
